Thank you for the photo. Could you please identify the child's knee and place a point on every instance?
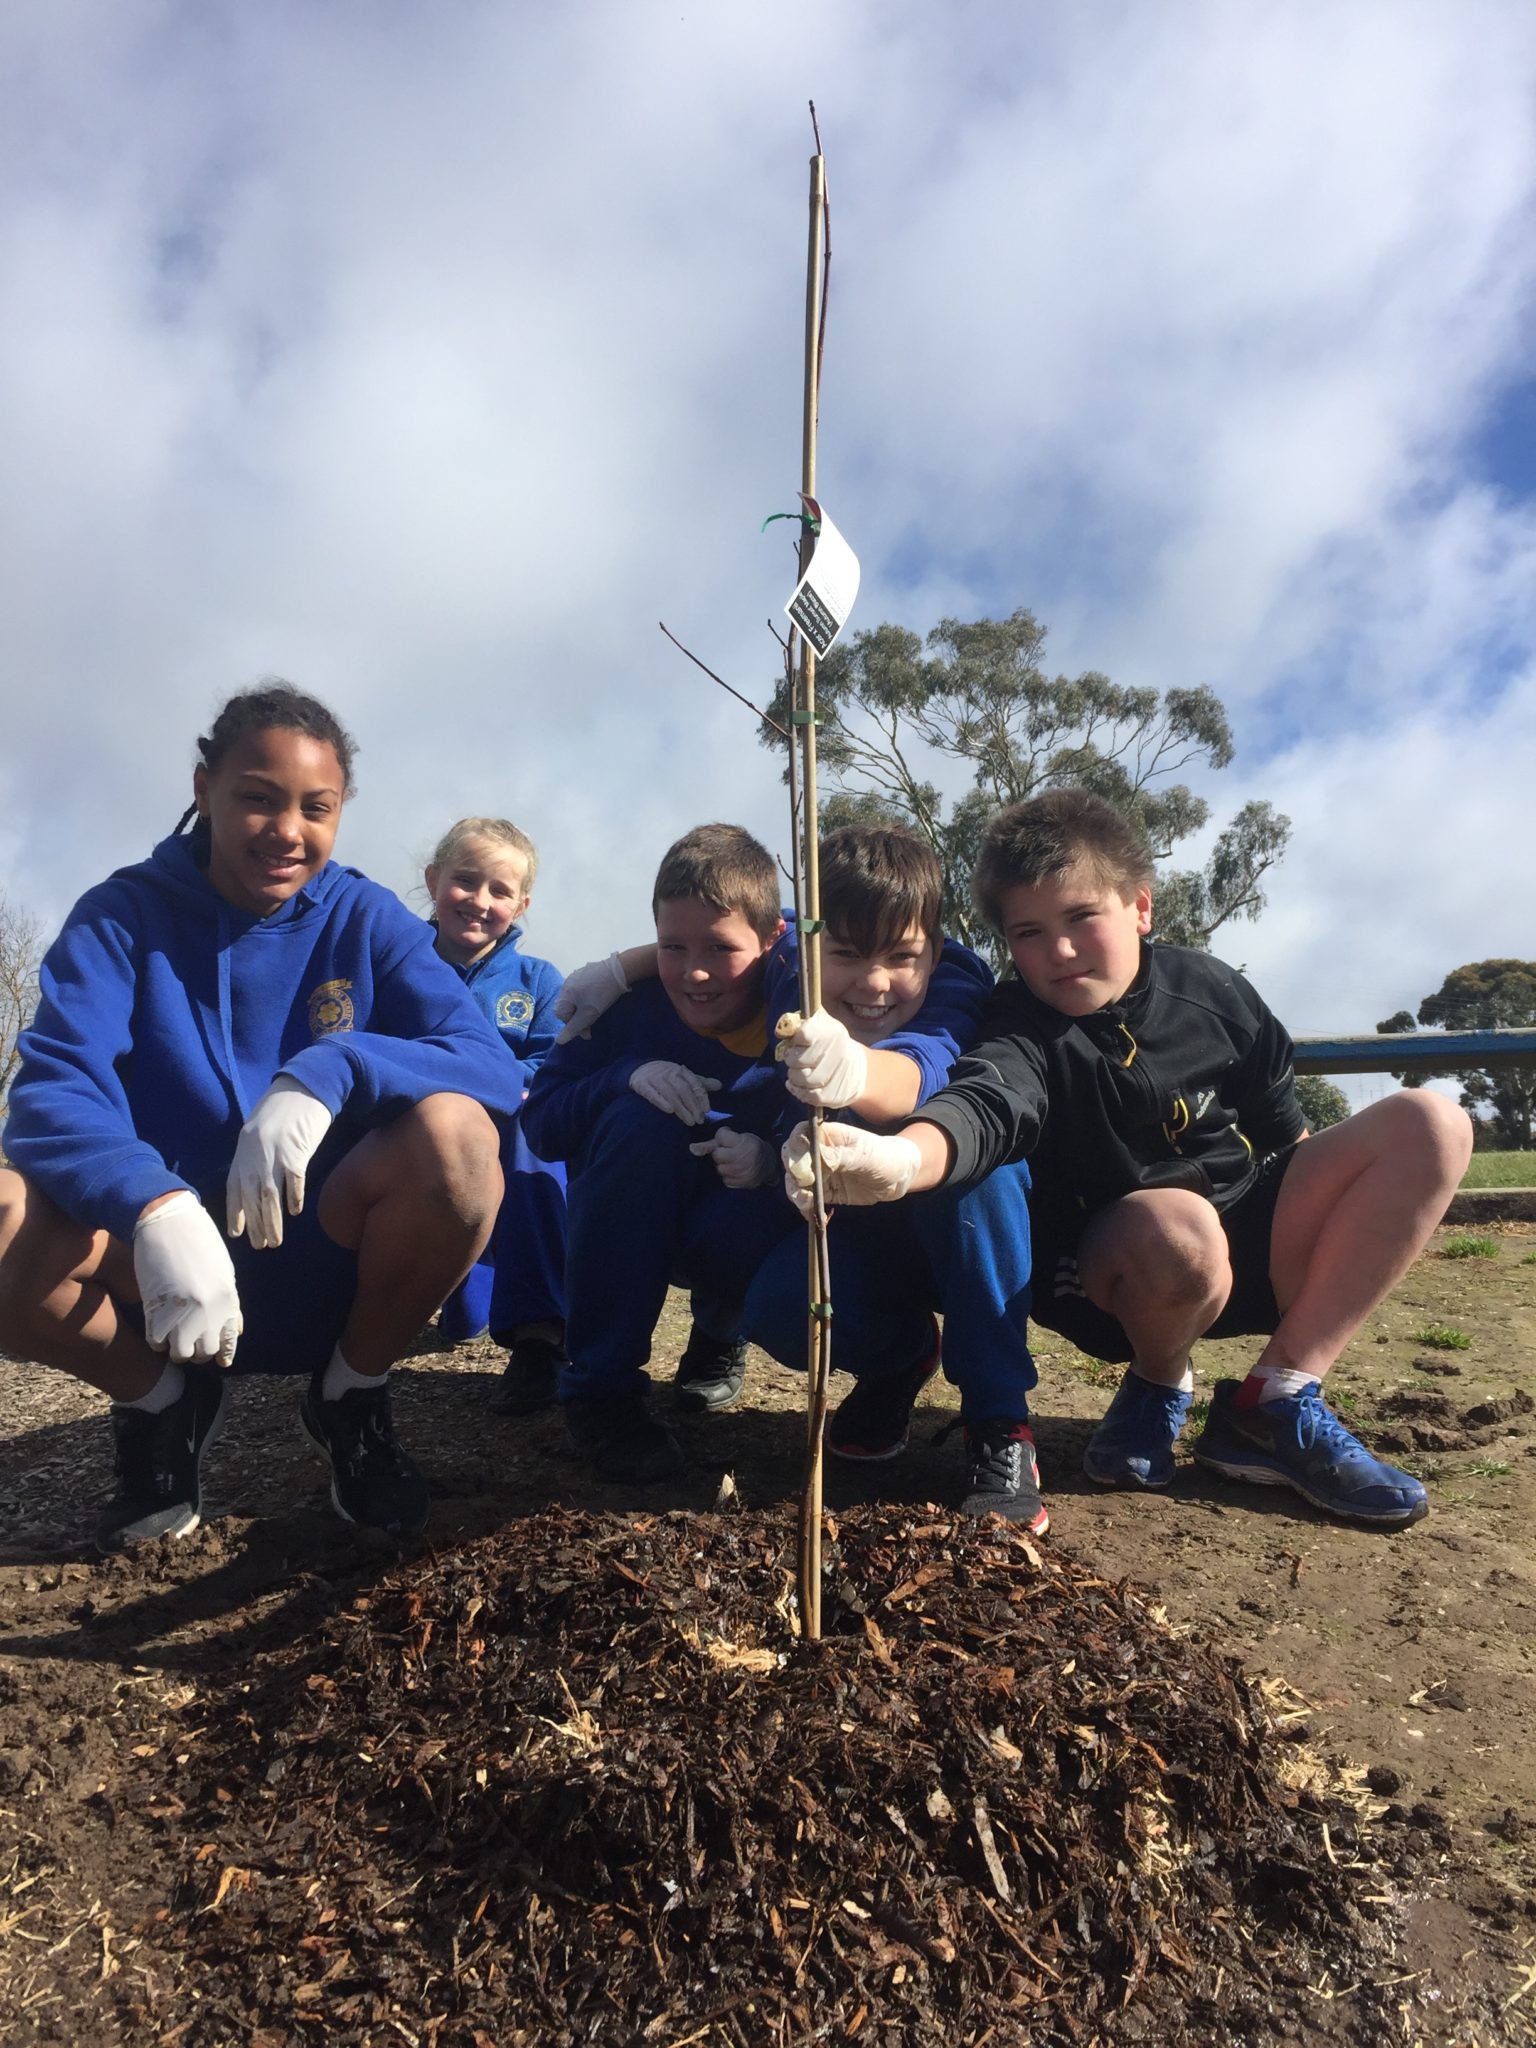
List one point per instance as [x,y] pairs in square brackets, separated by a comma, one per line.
[1419,1125]
[455,1151]
[1166,1246]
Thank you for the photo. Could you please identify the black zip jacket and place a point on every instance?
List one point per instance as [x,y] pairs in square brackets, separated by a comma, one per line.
[1186,1082]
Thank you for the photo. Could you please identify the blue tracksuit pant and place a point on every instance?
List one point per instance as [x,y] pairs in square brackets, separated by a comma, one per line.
[520,1277]
[964,1256]
[643,1214]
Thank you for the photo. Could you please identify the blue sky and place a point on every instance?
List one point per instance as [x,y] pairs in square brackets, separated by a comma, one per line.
[429,357]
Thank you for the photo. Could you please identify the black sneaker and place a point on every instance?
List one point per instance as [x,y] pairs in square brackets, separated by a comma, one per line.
[530,1378]
[373,1482]
[871,1423]
[159,1463]
[710,1375]
[622,1438]
[1004,1474]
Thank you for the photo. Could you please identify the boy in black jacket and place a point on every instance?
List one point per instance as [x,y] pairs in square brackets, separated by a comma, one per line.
[1153,1091]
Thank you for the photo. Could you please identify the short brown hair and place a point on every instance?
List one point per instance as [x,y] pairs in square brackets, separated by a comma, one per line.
[877,882]
[1046,835]
[725,867]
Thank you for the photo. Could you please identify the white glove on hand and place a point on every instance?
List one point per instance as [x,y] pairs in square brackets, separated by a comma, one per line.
[677,1090]
[587,993]
[186,1282]
[277,1142]
[858,1168]
[741,1160]
[827,1067]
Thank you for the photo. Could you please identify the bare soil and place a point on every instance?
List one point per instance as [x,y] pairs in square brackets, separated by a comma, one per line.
[1392,1673]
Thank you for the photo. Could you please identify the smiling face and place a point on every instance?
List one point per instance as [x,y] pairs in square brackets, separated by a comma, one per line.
[1076,941]
[710,963]
[477,896]
[876,994]
[273,803]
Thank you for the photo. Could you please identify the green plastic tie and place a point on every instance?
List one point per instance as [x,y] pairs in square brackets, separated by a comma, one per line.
[811,525]
[822,1311]
[813,924]
[803,718]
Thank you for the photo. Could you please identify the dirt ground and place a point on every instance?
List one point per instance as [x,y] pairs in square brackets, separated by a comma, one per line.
[1407,1657]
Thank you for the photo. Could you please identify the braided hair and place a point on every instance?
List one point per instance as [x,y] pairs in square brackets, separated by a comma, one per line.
[273,703]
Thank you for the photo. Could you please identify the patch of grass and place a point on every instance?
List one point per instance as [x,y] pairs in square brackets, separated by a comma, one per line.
[1529,1259]
[1500,1170]
[1343,1400]
[1442,1337]
[1469,1248]
[1199,1410]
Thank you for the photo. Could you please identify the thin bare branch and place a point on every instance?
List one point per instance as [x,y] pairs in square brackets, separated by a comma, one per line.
[772,723]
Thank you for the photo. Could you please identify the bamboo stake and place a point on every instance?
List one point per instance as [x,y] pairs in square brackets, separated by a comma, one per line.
[803,720]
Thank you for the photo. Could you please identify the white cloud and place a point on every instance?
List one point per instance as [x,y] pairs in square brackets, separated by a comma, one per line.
[430,358]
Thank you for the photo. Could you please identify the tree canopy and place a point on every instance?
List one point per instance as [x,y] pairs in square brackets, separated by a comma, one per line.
[1485,995]
[1323,1103]
[978,693]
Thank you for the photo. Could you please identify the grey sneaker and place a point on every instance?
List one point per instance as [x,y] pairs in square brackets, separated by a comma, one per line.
[710,1375]
[1003,1476]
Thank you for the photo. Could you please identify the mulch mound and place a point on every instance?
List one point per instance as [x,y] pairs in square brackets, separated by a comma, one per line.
[582,1782]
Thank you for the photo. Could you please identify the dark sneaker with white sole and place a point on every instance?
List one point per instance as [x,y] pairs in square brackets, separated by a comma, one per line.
[530,1378]
[1299,1442]
[710,1375]
[872,1423]
[159,1463]
[622,1437]
[1003,1474]
[373,1482]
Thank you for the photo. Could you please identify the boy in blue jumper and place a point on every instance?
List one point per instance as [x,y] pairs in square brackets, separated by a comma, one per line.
[900,1002]
[480,879]
[638,1111]
[240,1028]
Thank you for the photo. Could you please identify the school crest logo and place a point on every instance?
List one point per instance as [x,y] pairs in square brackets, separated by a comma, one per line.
[330,1009]
[514,1006]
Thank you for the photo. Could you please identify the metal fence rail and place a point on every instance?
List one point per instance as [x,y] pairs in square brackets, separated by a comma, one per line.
[1415,1052]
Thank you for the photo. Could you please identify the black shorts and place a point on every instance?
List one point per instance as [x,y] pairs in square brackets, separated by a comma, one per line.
[1251,1310]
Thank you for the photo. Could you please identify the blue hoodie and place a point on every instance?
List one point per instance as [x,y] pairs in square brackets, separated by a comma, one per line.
[517,992]
[166,1013]
[581,1078]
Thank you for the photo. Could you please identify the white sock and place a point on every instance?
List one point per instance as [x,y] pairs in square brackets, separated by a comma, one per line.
[1278,1382]
[167,1388]
[1186,1385]
[341,1379]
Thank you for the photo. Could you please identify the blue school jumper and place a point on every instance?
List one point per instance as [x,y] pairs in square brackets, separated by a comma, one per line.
[643,1213]
[520,1276]
[965,1256]
[165,1015]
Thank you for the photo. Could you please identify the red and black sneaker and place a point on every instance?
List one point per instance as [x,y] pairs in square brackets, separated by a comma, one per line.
[1004,1474]
[871,1423]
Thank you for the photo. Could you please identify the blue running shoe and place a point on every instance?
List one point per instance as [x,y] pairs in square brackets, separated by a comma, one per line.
[1300,1443]
[1133,1445]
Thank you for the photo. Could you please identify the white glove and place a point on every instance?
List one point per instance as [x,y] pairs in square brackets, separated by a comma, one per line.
[587,993]
[741,1160]
[858,1168]
[827,1067]
[277,1142]
[677,1090]
[186,1282]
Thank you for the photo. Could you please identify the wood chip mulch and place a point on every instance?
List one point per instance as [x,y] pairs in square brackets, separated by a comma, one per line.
[582,1782]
